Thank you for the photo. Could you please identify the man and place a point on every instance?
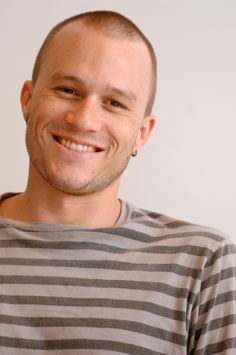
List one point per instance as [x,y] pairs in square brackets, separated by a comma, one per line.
[83,272]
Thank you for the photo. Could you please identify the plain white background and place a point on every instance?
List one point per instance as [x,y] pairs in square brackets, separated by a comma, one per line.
[188,168]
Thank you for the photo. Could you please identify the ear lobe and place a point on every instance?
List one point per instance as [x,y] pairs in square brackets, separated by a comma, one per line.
[25,98]
[145,131]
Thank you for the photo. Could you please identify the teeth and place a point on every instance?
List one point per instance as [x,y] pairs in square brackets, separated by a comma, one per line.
[73,146]
[77,147]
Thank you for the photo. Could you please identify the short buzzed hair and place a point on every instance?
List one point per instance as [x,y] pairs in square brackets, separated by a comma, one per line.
[111,24]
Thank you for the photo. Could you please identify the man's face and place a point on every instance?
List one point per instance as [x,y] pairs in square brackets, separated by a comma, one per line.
[85,113]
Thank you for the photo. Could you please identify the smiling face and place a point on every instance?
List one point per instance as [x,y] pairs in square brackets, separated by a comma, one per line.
[85,113]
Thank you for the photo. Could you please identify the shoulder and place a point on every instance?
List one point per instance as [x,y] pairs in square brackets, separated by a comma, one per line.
[161,227]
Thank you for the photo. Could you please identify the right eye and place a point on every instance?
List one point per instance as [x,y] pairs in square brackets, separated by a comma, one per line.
[68,91]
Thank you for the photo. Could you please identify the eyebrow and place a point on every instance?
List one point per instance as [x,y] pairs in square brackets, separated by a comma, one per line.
[127,94]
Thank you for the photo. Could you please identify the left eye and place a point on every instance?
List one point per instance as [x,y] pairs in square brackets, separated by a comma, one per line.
[116,103]
[69,91]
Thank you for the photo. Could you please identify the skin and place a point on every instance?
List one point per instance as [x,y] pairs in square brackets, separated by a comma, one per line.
[92,90]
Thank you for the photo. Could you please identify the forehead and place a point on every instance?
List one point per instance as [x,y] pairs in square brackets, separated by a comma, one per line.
[89,39]
[84,50]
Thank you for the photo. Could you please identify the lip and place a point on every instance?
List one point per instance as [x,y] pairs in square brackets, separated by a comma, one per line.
[58,138]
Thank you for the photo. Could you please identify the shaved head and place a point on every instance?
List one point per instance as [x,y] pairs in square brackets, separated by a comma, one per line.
[111,24]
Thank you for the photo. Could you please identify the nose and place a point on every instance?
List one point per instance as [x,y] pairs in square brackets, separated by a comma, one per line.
[84,116]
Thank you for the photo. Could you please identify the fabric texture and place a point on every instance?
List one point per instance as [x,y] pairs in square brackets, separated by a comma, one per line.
[149,285]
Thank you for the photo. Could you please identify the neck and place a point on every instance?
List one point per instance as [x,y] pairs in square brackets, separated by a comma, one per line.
[43,203]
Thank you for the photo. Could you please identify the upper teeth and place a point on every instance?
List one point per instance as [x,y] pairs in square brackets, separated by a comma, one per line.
[78,147]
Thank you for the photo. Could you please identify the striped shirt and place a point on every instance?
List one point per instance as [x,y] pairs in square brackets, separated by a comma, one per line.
[148,285]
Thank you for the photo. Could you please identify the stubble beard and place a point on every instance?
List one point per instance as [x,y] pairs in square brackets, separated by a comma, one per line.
[95,184]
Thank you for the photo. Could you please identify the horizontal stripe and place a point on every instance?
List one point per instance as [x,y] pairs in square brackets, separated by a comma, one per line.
[193,262]
[220,299]
[155,249]
[220,276]
[140,272]
[153,215]
[96,323]
[95,302]
[105,264]
[178,224]
[124,232]
[61,245]
[229,249]
[144,214]
[137,285]
[64,344]
[217,347]
[215,324]
[83,292]
[168,234]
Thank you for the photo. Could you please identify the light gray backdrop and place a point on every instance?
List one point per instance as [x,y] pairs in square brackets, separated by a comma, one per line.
[188,168]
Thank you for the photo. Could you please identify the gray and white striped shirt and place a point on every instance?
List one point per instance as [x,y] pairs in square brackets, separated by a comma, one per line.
[149,285]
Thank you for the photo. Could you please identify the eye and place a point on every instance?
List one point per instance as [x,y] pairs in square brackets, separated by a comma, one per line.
[68,91]
[116,103]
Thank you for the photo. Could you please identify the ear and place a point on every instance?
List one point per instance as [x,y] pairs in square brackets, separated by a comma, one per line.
[144,132]
[25,98]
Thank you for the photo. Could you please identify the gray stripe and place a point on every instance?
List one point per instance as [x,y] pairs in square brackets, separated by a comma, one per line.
[105,264]
[66,344]
[177,224]
[217,347]
[61,245]
[156,223]
[187,249]
[229,249]
[96,302]
[214,324]
[96,323]
[154,215]
[222,275]
[220,299]
[146,238]
[130,285]
[142,213]
[136,214]
[35,228]
[119,231]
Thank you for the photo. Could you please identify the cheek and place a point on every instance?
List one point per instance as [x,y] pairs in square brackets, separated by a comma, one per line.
[127,138]
[43,114]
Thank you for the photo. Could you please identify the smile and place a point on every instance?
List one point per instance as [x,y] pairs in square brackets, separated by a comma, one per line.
[85,148]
